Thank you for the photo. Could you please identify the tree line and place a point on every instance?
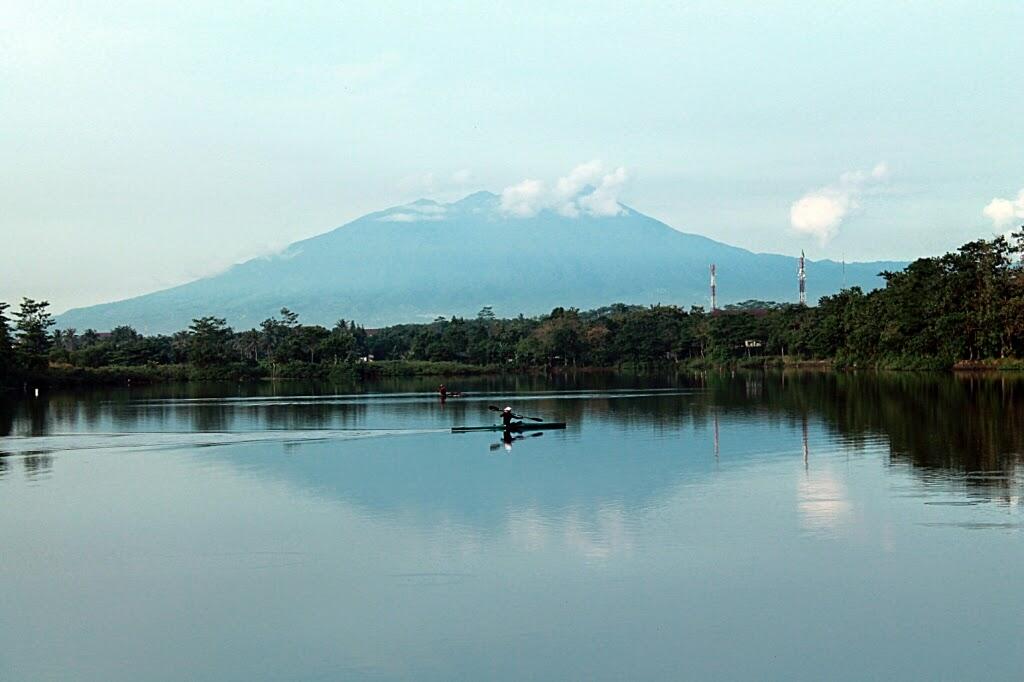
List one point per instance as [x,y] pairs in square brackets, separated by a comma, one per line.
[964,306]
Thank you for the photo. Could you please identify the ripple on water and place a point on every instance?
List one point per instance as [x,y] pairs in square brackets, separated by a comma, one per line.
[36,445]
[974,525]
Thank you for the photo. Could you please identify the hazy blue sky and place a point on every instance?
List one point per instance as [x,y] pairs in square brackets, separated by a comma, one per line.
[142,146]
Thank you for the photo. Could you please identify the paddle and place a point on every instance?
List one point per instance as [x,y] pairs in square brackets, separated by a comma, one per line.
[494,408]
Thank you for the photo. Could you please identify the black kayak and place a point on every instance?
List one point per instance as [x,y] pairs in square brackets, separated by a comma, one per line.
[522,426]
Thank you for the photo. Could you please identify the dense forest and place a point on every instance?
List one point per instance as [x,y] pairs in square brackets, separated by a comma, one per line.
[963,308]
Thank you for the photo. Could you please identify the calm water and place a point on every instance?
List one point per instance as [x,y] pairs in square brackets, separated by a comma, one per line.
[741,526]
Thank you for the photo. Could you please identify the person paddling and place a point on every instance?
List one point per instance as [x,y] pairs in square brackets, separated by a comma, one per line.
[442,390]
[507,415]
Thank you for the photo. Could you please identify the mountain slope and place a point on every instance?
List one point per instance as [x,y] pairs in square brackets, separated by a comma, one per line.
[414,262]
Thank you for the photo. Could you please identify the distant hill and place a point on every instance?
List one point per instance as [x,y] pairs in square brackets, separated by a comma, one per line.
[412,263]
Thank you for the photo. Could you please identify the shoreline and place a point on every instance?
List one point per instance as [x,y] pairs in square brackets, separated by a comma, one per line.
[65,376]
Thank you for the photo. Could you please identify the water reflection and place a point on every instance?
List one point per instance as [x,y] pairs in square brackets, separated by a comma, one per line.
[965,426]
[37,465]
[691,526]
[823,502]
[7,411]
[508,439]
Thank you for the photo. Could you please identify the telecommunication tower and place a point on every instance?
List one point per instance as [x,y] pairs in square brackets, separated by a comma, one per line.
[802,277]
[714,291]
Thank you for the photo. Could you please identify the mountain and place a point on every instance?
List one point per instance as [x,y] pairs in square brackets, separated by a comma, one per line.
[412,263]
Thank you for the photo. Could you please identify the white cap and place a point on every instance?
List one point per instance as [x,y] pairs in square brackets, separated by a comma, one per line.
[508,409]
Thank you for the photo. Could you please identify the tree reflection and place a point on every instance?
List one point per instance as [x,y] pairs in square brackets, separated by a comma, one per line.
[37,465]
[969,425]
[6,417]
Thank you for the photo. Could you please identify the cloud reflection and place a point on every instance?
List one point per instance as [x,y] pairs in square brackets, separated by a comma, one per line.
[823,503]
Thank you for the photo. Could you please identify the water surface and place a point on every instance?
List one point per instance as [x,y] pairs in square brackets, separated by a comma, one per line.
[714,527]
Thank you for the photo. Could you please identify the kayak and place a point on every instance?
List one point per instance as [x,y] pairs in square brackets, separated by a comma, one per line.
[524,426]
[543,426]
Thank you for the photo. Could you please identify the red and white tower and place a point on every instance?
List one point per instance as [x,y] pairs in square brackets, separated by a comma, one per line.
[714,290]
[801,275]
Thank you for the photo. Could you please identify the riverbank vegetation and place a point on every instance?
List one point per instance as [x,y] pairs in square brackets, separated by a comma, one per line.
[961,310]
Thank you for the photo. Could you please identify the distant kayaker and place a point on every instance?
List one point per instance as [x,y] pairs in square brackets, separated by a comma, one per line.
[507,415]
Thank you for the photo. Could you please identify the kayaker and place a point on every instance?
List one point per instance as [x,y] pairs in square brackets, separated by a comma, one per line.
[507,415]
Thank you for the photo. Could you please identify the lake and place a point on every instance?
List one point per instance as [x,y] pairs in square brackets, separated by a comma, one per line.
[709,526]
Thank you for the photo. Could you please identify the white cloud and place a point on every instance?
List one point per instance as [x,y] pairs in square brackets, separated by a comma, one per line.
[569,187]
[428,208]
[401,218]
[588,188]
[524,199]
[1004,211]
[604,201]
[418,211]
[821,212]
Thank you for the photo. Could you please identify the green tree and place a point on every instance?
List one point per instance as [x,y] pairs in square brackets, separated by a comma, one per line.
[339,344]
[208,341]
[309,339]
[560,338]
[273,335]
[33,336]
[248,344]
[89,338]
[69,339]
[290,319]
[6,347]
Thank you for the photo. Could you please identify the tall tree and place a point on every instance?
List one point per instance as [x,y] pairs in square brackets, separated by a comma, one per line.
[89,338]
[308,340]
[208,341]
[33,339]
[6,347]
[339,344]
[290,319]
[248,344]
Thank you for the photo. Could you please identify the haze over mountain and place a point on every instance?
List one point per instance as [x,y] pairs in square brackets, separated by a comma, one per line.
[415,262]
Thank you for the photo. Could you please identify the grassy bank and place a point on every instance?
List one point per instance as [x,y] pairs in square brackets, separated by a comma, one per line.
[68,375]
[408,368]
[120,375]
[996,364]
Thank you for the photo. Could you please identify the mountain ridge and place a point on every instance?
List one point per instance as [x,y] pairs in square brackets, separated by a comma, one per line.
[412,262]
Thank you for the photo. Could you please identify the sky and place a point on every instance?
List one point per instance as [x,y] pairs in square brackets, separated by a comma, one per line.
[143,145]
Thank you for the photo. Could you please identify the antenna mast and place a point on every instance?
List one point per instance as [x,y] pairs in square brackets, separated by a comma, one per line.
[714,290]
[802,277]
